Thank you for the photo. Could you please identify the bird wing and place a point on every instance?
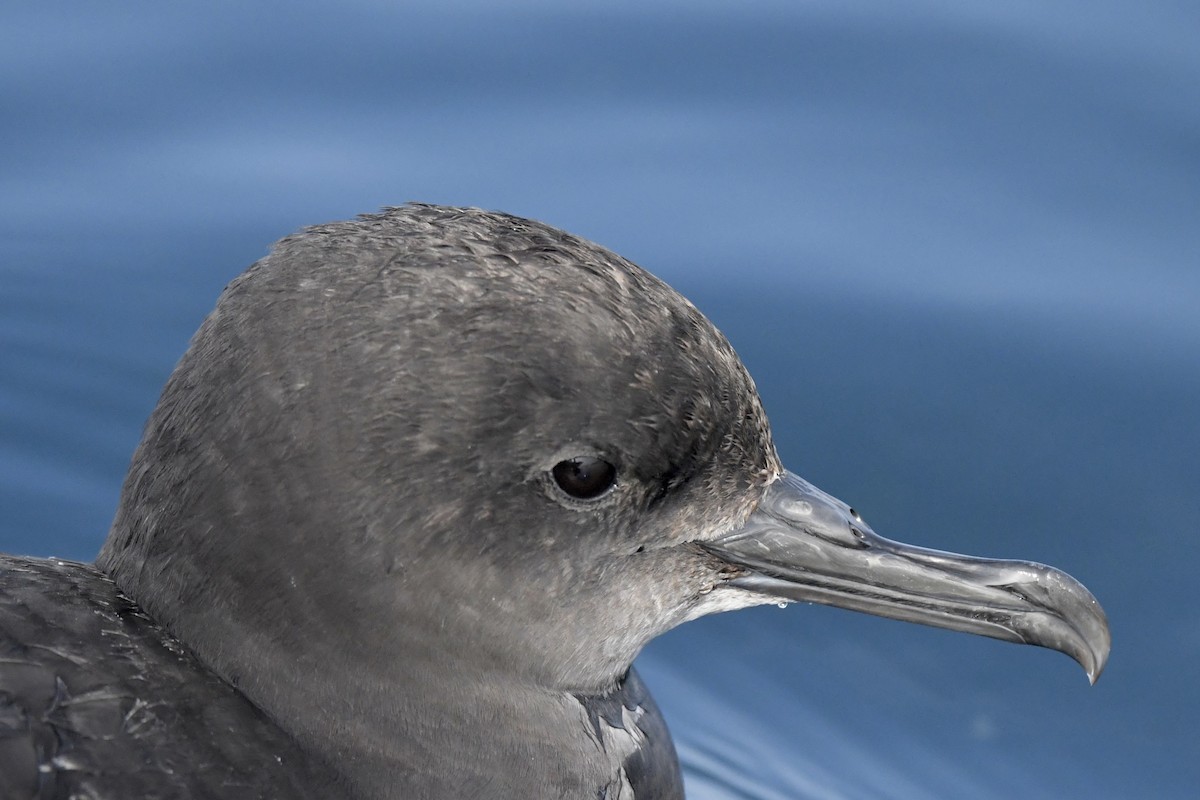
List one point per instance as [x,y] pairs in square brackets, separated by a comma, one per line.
[98,701]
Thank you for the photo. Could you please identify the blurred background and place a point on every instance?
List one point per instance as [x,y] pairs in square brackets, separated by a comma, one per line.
[957,244]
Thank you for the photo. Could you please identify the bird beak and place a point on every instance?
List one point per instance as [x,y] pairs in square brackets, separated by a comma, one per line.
[802,544]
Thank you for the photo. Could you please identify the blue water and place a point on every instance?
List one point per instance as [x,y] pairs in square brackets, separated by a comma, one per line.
[958,245]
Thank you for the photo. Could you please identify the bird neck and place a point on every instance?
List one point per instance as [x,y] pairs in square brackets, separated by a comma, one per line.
[441,732]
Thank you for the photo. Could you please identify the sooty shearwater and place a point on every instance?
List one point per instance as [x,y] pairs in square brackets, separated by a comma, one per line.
[420,489]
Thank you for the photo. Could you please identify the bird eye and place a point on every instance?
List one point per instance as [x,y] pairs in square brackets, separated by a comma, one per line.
[584,477]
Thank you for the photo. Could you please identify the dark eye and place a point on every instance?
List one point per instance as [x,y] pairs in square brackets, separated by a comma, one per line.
[584,477]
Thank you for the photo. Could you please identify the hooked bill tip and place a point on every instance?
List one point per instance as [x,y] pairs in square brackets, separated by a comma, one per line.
[1095,664]
[1089,641]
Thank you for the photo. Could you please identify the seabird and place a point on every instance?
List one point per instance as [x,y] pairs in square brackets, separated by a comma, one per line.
[421,488]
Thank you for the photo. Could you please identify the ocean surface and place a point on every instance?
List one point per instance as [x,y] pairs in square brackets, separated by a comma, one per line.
[956,243]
